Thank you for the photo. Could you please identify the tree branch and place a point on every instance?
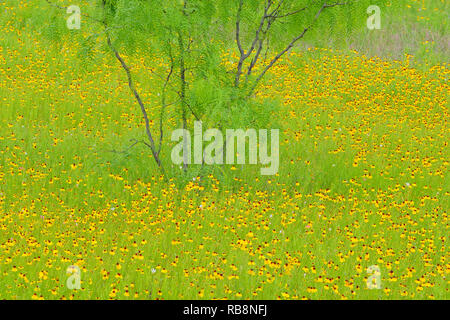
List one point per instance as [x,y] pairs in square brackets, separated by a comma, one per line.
[163,102]
[82,14]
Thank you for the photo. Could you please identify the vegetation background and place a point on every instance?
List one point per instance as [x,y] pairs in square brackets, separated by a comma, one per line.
[363,177]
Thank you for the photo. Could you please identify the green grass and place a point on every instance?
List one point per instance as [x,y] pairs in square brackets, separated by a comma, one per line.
[363,179]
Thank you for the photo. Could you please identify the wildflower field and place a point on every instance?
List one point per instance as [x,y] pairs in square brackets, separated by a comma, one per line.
[363,178]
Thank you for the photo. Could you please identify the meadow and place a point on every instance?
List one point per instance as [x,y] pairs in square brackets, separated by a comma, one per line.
[363,177]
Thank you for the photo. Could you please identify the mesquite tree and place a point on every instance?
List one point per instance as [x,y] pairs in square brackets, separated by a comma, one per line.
[190,35]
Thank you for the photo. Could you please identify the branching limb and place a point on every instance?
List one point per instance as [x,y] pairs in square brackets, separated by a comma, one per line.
[292,43]
[65,9]
[131,85]
[135,142]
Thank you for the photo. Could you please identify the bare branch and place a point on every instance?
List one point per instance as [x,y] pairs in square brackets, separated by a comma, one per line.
[65,9]
[136,95]
[130,147]
[276,10]
[291,13]
[292,43]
